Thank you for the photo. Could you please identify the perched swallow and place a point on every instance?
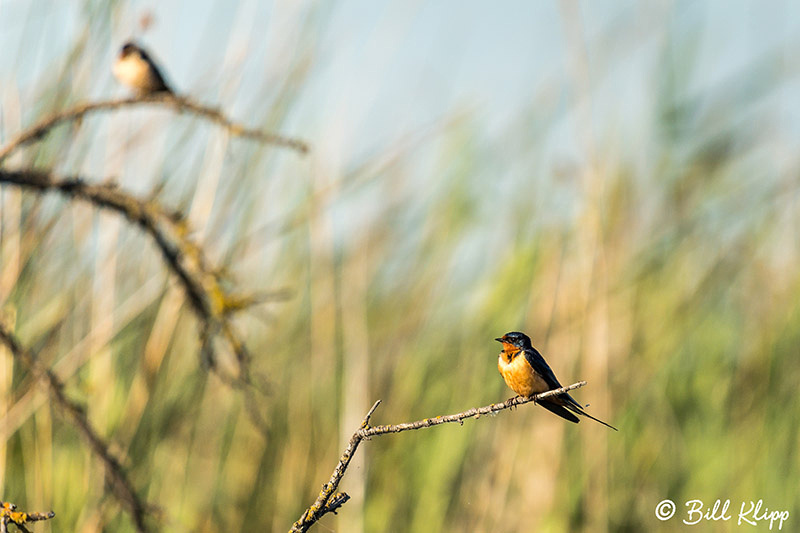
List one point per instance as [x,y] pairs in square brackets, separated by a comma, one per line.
[135,69]
[524,370]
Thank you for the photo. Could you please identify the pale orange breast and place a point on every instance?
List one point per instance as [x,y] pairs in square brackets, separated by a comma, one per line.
[519,375]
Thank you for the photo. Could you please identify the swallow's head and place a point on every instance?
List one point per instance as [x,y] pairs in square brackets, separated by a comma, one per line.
[128,49]
[514,342]
[134,68]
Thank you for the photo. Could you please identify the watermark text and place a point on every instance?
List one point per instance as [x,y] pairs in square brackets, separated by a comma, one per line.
[750,513]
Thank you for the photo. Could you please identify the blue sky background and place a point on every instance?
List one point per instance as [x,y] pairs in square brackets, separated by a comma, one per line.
[388,68]
[538,88]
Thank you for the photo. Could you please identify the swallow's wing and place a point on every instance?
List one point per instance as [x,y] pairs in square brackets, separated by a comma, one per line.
[562,402]
[158,80]
[559,410]
[541,367]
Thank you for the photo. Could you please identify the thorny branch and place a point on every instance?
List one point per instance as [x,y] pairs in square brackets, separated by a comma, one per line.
[179,103]
[119,482]
[204,285]
[328,502]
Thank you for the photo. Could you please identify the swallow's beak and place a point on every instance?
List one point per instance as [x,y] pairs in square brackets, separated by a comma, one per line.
[500,339]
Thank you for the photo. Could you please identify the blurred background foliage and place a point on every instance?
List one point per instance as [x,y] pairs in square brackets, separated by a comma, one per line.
[619,180]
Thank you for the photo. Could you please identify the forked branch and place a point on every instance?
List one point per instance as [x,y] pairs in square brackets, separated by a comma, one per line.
[328,502]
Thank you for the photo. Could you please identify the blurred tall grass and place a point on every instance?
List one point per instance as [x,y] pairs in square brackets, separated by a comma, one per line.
[660,266]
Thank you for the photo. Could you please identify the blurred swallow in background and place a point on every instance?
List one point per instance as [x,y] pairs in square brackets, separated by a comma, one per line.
[134,68]
[524,370]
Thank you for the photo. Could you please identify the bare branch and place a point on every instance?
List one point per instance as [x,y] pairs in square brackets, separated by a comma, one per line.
[120,484]
[326,503]
[321,506]
[203,284]
[475,412]
[178,103]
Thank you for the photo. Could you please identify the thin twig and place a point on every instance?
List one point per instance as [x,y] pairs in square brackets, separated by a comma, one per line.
[10,515]
[120,484]
[179,103]
[475,412]
[327,502]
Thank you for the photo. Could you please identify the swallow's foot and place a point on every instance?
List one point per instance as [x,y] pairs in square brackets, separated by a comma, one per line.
[511,402]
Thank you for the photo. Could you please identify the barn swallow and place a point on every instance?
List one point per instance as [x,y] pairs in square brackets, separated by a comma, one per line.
[530,374]
[134,68]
